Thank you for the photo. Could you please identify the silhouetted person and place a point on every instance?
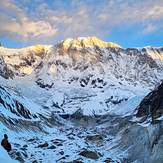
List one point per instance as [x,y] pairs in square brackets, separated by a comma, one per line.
[6,145]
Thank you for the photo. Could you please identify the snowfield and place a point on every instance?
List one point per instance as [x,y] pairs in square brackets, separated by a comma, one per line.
[77,101]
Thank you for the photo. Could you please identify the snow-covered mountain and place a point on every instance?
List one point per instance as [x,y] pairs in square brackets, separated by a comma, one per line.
[85,70]
[84,80]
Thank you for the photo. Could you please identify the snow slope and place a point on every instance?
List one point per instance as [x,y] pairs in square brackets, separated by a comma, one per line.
[5,157]
[86,75]
[82,73]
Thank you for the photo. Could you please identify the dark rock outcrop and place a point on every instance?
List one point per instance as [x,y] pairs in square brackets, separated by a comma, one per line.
[93,138]
[152,104]
[13,105]
[43,85]
[89,154]
[43,145]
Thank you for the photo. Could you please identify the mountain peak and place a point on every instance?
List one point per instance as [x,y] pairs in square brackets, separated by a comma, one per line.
[80,42]
[39,49]
[36,49]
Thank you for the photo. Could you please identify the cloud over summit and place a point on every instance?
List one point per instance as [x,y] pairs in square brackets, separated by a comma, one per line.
[53,20]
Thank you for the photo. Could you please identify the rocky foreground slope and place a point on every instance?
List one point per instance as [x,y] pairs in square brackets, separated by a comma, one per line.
[82,100]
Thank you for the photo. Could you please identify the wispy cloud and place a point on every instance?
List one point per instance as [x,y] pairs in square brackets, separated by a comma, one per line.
[145,13]
[15,22]
[58,19]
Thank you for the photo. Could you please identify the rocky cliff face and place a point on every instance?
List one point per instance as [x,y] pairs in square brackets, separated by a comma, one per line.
[152,104]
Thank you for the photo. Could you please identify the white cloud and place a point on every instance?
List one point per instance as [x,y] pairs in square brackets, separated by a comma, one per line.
[147,13]
[36,20]
[156,12]
[14,22]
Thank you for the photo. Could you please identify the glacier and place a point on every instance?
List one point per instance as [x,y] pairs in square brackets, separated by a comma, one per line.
[64,94]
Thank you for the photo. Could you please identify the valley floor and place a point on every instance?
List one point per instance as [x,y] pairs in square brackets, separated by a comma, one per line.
[106,139]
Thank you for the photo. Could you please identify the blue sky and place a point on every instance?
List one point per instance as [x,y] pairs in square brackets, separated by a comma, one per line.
[130,23]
